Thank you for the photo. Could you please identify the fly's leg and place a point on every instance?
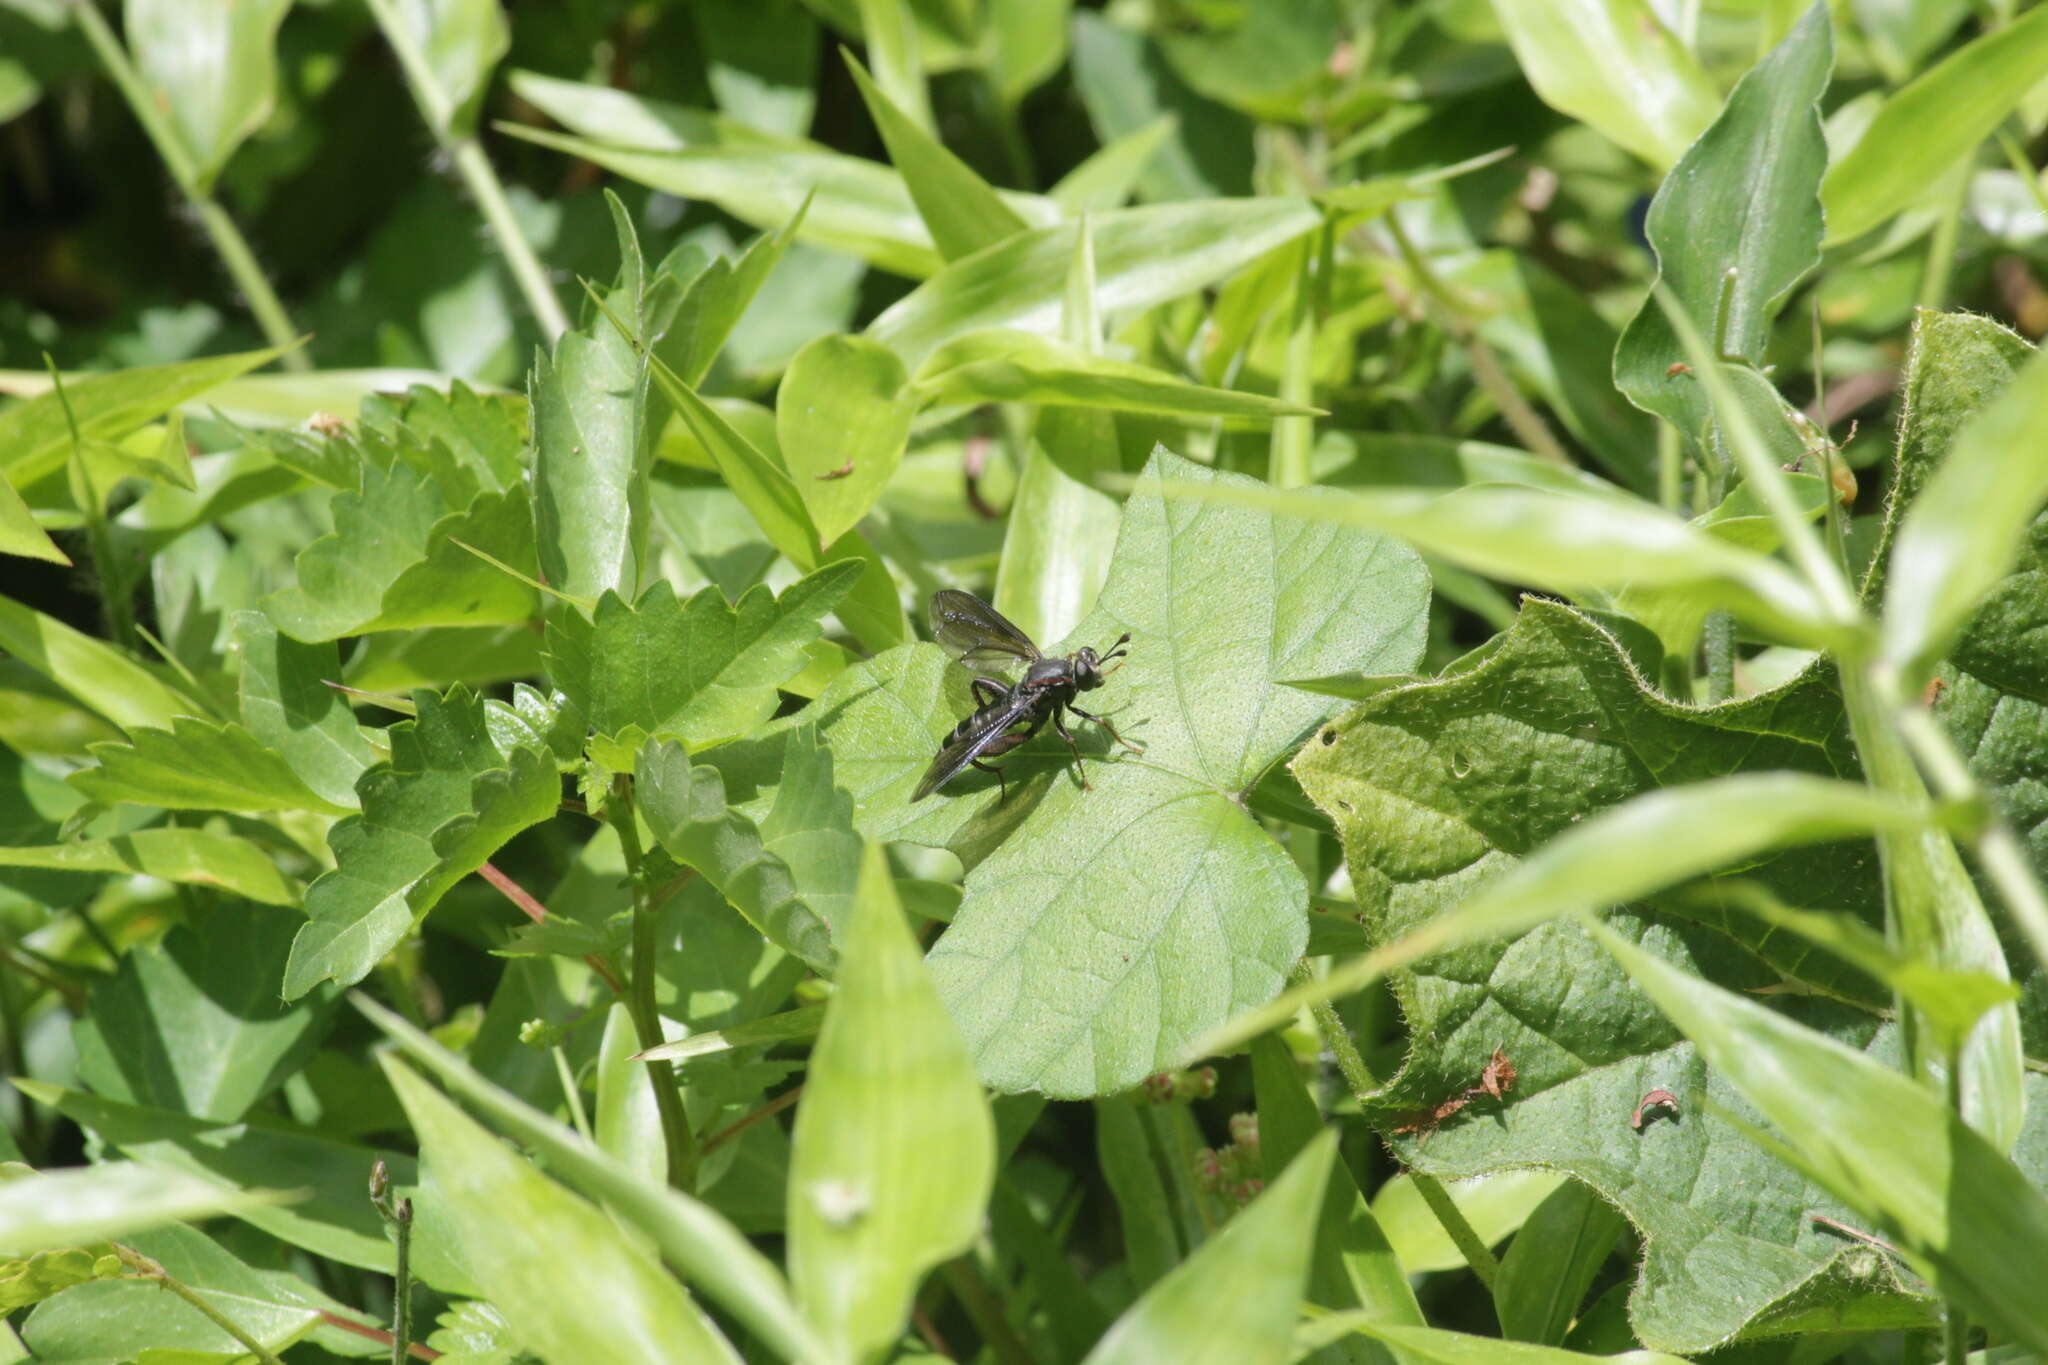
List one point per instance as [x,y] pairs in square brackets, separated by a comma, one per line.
[1059,723]
[1002,787]
[988,691]
[1089,715]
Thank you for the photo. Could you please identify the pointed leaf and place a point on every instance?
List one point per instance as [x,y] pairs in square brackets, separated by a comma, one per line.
[963,212]
[894,1150]
[98,675]
[73,1207]
[197,765]
[1019,367]
[211,67]
[290,709]
[189,856]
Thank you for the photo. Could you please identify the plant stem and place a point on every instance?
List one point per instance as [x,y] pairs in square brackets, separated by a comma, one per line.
[477,173]
[1941,247]
[226,237]
[1293,437]
[985,1309]
[401,1288]
[1956,1336]
[1720,656]
[640,1004]
[1475,1251]
[1670,469]
[489,192]
[1337,1038]
[148,1269]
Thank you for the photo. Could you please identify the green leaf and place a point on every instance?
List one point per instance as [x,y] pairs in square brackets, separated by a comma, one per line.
[894,1150]
[1236,1298]
[1127,86]
[51,1209]
[842,416]
[793,874]
[1222,602]
[211,68]
[1056,552]
[542,1255]
[698,670]
[1495,1205]
[1107,178]
[187,856]
[1436,1346]
[1893,1151]
[194,1025]
[35,436]
[287,705]
[691,1237]
[1429,788]
[19,532]
[1613,65]
[330,1215]
[856,206]
[1019,367]
[97,674]
[449,49]
[1937,120]
[1143,257]
[1568,543]
[449,796]
[107,1319]
[1959,537]
[963,211]
[1270,68]
[1552,1262]
[392,561]
[593,443]
[197,765]
[713,303]
[1735,226]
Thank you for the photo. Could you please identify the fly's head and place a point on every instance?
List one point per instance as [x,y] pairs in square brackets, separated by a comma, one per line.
[1089,672]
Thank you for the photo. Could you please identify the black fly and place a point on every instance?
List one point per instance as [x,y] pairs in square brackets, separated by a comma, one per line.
[978,635]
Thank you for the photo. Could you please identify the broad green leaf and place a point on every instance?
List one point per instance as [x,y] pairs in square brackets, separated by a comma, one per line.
[1735,226]
[34,435]
[894,1150]
[1057,549]
[1142,257]
[594,443]
[1353,1264]
[1431,792]
[392,561]
[762,65]
[842,416]
[1959,537]
[1222,602]
[1020,367]
[691,1237]
[106,1320]
[448,798]
[195,1025]
[1889,1149]
[1937,120]
[1235,1299]
[699,670]
[330,1217]
[287,704]
[1552,1262]
[1613,65]
[544,1256]
[197,765]
[94,672]
[962,211]
[792,874]
[449,49]
[189,857]
[73,1207]
[211,68]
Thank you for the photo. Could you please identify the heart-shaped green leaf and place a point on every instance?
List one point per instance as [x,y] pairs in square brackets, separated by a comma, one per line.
[842,416]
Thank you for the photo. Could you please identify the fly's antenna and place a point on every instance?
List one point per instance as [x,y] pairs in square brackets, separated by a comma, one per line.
[1116,651]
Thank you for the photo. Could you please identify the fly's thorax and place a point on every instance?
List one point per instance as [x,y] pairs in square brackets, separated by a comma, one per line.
[1048,673]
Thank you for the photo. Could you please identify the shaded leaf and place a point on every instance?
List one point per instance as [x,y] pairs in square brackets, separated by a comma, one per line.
[197,765]
[189,856]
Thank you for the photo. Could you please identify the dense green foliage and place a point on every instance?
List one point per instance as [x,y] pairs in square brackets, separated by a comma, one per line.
[1571,475]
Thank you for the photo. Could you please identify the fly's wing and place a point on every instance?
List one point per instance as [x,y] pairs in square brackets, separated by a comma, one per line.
[976,633]
[964,745]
